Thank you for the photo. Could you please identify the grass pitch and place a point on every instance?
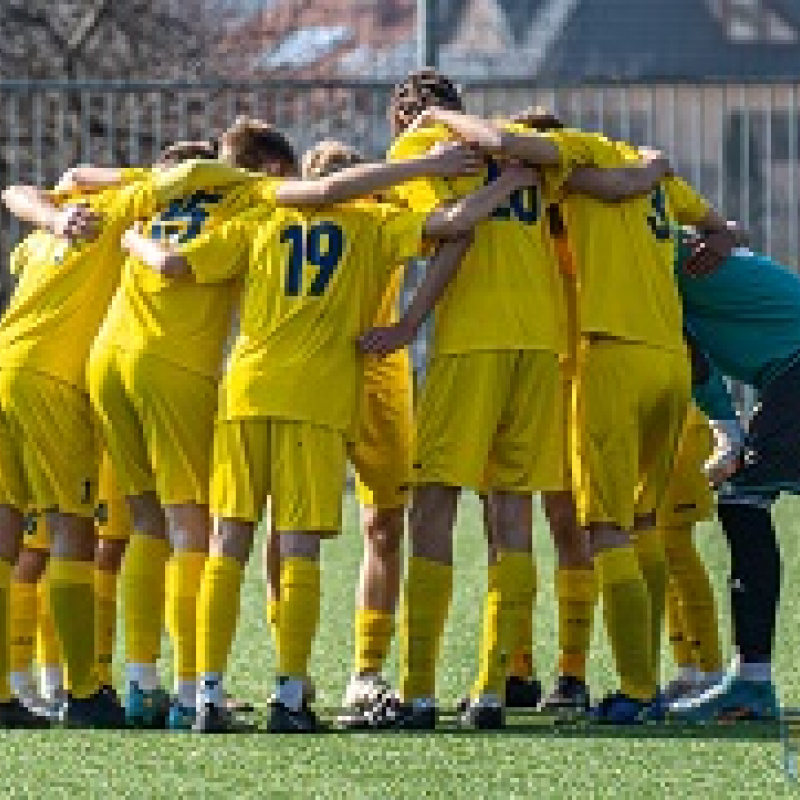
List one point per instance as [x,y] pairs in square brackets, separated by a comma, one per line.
[532,758]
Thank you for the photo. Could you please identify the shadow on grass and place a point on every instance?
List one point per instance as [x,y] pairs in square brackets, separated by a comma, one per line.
[533,725]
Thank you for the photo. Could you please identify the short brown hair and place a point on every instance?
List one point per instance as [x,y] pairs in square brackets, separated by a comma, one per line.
[178,152]
[250,144]
[538,118]
[420,90]
[329,156]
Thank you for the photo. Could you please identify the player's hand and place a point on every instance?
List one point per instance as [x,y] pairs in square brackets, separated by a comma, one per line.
[76,223]
[136,230]
[450,160]
[728,448]
[383,341]
[708,251]
[656,158]
[424,119]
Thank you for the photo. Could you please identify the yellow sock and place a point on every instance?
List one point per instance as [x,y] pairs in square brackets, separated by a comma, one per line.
[682,650]
[506,601]
[522,665]
[374,631]
[488,640]
[72,601]
[143,587]
[690,577]
[217,612]
[22,625]
[576,591]
[273,610]
[426,603]
[48,650]
[184,576]
[300,607]
[5,627]
[105,584]
[649,548]
[626,607]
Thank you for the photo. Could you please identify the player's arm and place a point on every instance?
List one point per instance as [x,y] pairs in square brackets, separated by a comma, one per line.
[89,177]
[381,341]
[75,222]
[478,132]
[363,180]
[461,216]
[161,257]
[616,184]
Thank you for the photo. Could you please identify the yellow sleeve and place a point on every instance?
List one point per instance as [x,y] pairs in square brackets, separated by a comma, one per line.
[686,205]
[133,174]
[221,253]
[402,234]
[423,194]
[19,256]
[196,174]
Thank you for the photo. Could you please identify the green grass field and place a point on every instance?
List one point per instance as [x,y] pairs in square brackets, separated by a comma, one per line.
[532,758]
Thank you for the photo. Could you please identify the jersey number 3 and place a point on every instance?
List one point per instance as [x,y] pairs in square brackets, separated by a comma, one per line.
[321,246]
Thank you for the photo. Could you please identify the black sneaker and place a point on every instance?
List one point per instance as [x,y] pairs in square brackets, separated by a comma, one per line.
[570,696]
[15,715]
[100,710]
[523,692]
[283,719]
[483,714]
[212,718]
[412,717]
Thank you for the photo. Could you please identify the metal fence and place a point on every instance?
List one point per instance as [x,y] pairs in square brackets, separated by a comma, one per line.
[738,144]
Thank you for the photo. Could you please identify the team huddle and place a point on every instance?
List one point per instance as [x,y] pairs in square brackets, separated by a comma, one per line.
[587,306]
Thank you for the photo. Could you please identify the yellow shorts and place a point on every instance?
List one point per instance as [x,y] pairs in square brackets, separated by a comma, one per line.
[492,420]
[628,417]
[301,466]
[47,446]
[383,445]
[156,422]
[113,517]
[688,497]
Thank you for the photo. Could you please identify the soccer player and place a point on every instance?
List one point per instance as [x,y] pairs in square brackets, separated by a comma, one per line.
[49,460]
[744,317]
[691,607]
[383,448]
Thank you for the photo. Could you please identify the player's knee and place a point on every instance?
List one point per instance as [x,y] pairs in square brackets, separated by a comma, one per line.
[383,531]
[12,526]
[109,553]
[148,516]
[512,527]
[431,519]
[232,538]
[188,526]
[71,537]
[30,565]
[300,545]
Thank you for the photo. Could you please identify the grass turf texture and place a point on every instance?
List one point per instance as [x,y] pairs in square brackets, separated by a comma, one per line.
[531,758]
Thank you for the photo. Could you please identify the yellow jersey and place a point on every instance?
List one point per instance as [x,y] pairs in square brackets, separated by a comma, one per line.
[508,294]
[625,255]
[183,322]
[313,281]
[65,288]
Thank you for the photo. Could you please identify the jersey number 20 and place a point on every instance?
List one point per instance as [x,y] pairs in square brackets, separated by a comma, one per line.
[322,246]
